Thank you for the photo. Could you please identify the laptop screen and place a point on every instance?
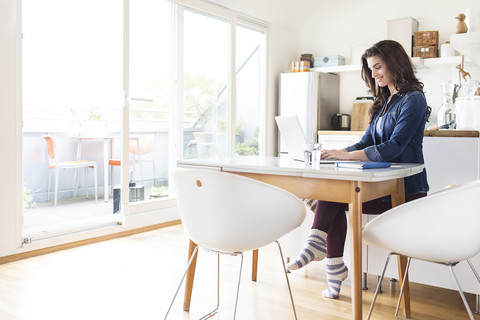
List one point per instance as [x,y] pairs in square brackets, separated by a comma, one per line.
[293,136]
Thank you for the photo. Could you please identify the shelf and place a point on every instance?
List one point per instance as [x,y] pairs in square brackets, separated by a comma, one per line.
[337,69]
[467,44]
[419,63]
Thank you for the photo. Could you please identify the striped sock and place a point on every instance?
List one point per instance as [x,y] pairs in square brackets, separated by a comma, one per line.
[316,249]
[337,271]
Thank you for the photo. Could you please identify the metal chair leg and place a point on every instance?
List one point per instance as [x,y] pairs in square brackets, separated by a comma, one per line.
[461,292]
[477,297]
[56,186]
[477,304]
[286,277]
[378,286]
[195,251]
[49,180]
[364,281]
[379,282]
[403,287]
[214,311]
[238,285]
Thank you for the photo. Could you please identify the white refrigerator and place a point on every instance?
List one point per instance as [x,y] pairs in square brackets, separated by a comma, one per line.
[313,97]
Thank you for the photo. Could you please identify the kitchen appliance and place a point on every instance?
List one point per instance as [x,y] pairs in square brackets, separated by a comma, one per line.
[313,97]
[360,117]
[341,121]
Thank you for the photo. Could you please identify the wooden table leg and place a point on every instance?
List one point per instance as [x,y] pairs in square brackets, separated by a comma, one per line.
[190,277]
[254,264]
[402,265]
[355,219]
[399,199]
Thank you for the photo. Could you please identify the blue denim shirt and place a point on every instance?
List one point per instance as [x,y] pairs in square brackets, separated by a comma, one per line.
[401,139]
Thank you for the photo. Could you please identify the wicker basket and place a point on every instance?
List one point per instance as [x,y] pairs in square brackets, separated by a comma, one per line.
[426,38]
[425,52]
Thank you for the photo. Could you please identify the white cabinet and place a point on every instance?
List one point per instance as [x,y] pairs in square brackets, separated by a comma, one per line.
[335,140]
[451,160]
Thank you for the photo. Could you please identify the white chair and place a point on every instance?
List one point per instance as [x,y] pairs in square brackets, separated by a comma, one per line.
[53,163]
[441,228]
[230,214]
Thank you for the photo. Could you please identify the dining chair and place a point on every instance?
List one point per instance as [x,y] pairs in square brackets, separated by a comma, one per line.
[229,214]
[441,228]
[137,147]
[55,164]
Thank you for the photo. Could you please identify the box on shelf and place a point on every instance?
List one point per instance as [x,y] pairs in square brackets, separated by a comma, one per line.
[327,61]
[426,38]
[425,52]
[402,31]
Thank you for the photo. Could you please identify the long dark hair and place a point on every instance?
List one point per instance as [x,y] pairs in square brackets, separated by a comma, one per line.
[399,66]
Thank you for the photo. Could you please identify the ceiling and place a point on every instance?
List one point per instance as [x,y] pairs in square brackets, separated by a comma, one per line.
[288,14]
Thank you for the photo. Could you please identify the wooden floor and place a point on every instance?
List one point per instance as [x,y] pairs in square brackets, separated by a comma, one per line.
[135,278]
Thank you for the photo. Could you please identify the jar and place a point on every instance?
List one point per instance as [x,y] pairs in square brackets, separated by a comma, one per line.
[446,118]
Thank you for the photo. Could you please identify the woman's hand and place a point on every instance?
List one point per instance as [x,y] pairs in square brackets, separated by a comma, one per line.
[343,154]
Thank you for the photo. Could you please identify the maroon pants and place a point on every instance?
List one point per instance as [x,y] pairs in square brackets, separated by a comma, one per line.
[330,218]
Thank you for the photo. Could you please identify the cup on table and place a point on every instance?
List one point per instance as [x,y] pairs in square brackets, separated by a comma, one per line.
[316,154]
[308,147]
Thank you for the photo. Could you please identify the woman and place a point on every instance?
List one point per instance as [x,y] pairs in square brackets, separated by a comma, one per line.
[395,134]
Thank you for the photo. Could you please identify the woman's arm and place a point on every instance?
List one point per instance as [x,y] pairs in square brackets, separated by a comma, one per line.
[343,154]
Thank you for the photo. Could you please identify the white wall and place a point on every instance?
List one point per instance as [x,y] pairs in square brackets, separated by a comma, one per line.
[336,27]
[9,161]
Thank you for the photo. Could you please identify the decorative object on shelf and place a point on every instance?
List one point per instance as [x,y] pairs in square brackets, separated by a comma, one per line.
[446,50]
[426,38]
[425,52]
[300,66]
[425,44]
[468,106]
[462,73]
[307,57]
[325,61]
[461,25]
[446,118]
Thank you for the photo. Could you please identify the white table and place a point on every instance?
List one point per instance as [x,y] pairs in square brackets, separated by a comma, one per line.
[107,153]
[324,182]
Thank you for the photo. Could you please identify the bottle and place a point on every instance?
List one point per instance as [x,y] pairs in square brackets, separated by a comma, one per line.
[447,117]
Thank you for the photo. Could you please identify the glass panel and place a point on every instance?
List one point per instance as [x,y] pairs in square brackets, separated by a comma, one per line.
[150,98]
[249,104]
[205,102]
[72,91]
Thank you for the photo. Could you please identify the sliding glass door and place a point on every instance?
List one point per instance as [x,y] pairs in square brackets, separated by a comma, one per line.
[205,85]
[72,100]
[129,87]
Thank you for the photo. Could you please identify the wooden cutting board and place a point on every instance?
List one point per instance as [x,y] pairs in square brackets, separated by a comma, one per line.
[360,118]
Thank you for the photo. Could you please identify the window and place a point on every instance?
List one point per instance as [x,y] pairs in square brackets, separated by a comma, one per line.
[205,85]
[79,58]
[250,75]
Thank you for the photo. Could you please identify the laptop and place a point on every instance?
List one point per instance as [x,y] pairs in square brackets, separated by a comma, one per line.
[294,137]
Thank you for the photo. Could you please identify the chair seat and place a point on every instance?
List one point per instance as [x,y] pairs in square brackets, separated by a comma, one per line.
[73,164]
[114,162]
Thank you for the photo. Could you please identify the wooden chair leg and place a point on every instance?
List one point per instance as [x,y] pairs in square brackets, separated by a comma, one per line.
[190,277]
[254,264]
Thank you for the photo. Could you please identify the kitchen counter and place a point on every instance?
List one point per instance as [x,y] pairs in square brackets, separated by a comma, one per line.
[341,132]
[451,133]
[428,133]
